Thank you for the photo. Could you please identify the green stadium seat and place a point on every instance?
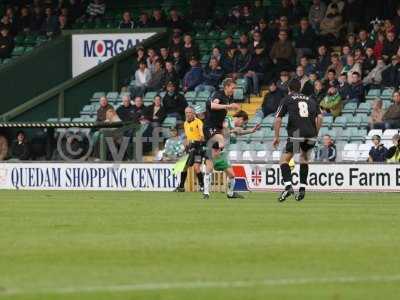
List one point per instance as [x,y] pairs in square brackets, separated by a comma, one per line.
[364,120]
[169,122]
[191,96]
[29,49]
[205,58]
[111,96]
[52,120]
[353,121]
[18,51]
[98,95]
[349,108]
[339,122]
[387,94]
[7,60]
[343,135]
[372,94]
[268,121]
[19,40]
[65,120]
[364,108]
[357,135]
[327,121]
[238,95]
[149,96]
[203,96]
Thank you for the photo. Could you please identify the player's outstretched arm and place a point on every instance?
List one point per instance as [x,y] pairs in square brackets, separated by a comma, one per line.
[215,105]
[277,128]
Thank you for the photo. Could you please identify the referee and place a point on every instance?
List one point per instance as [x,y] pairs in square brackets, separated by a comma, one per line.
[194,144]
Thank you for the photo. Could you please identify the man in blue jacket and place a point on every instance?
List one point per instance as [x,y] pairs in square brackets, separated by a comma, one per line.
[194,76]
[212,75]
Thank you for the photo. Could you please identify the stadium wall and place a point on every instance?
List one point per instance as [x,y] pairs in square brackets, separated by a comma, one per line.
[159,177]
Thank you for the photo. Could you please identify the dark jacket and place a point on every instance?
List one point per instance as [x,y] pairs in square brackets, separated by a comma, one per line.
[193,78]
[261,63]
[158,117]
[157,81]
[368,64]
[344,90]
[357,92]
[271,101]
[242,63]
[322,65]
[175,103]
[212,77]
[139,111]
[227,63]
[390,48]
[378,154]
[391,75]
[306,39]
[6,46]
[180,66]
[127,114]
[187,53]
[20,151]
[172,76]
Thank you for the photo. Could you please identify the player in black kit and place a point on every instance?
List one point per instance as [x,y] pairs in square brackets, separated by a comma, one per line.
[216,110]
[304,122]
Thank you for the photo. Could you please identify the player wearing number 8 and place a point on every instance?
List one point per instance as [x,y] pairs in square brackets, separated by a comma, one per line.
[304,122]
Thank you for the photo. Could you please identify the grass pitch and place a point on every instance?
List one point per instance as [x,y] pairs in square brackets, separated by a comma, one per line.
[117,245]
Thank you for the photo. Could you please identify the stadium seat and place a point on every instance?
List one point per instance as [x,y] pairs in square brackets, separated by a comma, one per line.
[387,94]
[18,51]
[372,94]
[340,122]
[353,121]
[98,95]
[364,151]
[238,95]
[327,121]
[373,132]
[358,135]
[350,152]
[268,121]
[364,108]
[112,96]
[389,133]
[276,155]
[190,96]
[203,96]
[149,96]
[349,108]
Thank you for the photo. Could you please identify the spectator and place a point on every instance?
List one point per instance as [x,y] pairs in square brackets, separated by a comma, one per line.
[50,24]
[364,41]
[272,99]
[344,86]
[174,147]
[391,76]
[350,68]
[174,102]
[283,82]
[194,76]
[12,21]
[152,57]
[111,116]
[96,10]
[390,46]
[229,43]
[164,54]
[155,113]
[282,52]
[157,79]
[144,20]
[170,73]
[376,116]
[267,33]
[378,151]
[296,12]
[126,111]
[176,42]
[369,62]
[316,13]
[257,40]
[176,22]
[142,77]
[393,153]
[63,24]
[247,17]
[331,26]
[336,65]
[357,92]
[305,39]
[332,102]
[139,109]
[37,19]
[244,40]
[374,77]
[179,63]
[216,53]
[6,43]
[323,61]
[25,20]
[140,56]
[101,112]
[126,22]
[242,68]
[331,80]
[378,48]
[235,19]
[308,67]
[327,152]
[20,147]
[228,60]
[283,25]
[285,8]
[391,117]
[261,64]
[212,76]
[319,91]
[189,48]
[346,51]
[306,87]
[158,20]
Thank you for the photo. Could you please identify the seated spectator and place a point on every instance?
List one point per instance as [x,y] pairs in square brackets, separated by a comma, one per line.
[306,87]
[140,56]
[96,10]
[50,23]
[390,76]
[176,22]
[63,24]
[247,17]
[179,62]
[376,116]
[272,99]
[374,77]
[391,118]
[157,79]
[176,42]
[378,151]
[151,60]
[331,26]
[164,54]
[256,41]
[369,61]
[364,42]
[390,46]
[332,103]
[244,40]
[234,18]
[174,103]
[308,67]
[351,41]
[393,153]
[20,147]
[212,76]
[36,19]
[378,48]
[170,73]
[6,43]
[336,65]
[296,12]
[346,51]
[267,33]
[155,113]
[216,53]
[356,91]
[144,20]
[283,82]
[283,53]
[350,68]
[158,20]
[139,109]
[262,65]
[327,152]
[189,48]
[229,43]
[25,20]
[111,116]
[194,76]
[228,60]
[344,86]
[101,112]
[331,80]
[142,77]
[242,67]
[284,8]
[126,111]
[305,39]
[323,61]
[282,25]
[174,146]
[319,91]
[316,13]
[126,22]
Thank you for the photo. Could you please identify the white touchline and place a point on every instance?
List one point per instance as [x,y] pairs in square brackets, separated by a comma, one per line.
[200,285]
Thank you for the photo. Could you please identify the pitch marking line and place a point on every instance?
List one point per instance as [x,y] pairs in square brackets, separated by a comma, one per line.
[202,285]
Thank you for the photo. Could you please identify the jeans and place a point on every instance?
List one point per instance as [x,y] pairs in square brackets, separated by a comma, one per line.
[253,80]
